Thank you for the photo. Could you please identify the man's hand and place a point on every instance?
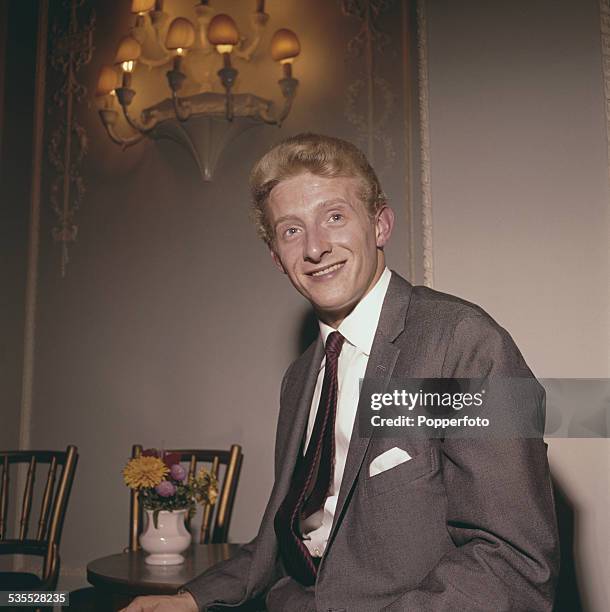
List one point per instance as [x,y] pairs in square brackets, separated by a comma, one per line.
[163,603]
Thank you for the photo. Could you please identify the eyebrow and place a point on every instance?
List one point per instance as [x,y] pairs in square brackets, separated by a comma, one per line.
[324,204]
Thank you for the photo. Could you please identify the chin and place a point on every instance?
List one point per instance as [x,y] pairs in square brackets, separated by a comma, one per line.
[327,303]
[334,308]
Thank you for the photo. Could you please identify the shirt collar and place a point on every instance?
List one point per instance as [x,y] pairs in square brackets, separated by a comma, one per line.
[359,327]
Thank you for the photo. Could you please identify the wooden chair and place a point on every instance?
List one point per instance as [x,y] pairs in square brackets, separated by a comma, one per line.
[216,518]
[41,539]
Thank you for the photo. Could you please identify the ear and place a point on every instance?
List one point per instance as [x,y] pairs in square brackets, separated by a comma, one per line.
[277,261]
[384,222]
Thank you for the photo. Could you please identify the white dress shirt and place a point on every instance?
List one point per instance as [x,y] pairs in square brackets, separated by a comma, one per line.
[358,329]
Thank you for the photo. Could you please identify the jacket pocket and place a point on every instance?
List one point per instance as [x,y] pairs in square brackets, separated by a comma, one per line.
[401,474]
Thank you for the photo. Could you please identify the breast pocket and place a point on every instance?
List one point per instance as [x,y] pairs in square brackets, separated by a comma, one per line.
[402,474]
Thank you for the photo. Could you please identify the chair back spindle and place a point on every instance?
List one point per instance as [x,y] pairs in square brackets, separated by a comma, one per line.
[226,498]
[192,466]
[26,506]
[51,562]
[135,509]
[208,509]
[46,500]
[4,498]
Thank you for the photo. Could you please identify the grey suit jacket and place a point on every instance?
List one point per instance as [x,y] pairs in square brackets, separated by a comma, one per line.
[464,525]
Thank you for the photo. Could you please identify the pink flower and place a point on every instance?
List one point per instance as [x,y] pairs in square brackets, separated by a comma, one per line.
[177,472]
[165,489]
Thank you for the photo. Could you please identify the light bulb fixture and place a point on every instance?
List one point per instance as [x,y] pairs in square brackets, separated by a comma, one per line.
[141,7]
[223,31]
[285,47]
[107,81]
[128,50]
[180,35]
[222,49]
[198,114]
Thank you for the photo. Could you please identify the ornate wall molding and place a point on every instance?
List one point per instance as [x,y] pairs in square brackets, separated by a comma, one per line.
[71,49]
[407,82]
[370,100]
[604,7]
[424,139]
[371,106]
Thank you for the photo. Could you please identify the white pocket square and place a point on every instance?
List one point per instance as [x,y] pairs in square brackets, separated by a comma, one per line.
[391,458]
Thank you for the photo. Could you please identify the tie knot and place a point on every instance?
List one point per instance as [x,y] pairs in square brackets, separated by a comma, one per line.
[334,342]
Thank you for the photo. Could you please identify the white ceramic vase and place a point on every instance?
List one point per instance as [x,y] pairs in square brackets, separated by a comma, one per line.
[165,542]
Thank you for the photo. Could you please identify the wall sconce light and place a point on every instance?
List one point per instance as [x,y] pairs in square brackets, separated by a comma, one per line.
[201,119]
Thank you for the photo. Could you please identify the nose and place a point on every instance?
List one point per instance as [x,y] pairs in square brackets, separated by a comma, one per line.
[316,245]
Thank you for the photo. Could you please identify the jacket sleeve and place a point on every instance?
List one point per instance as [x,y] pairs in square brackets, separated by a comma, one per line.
[287,595]
[225,583]
[500,506]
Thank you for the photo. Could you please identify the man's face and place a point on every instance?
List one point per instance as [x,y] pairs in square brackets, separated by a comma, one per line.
[326,242]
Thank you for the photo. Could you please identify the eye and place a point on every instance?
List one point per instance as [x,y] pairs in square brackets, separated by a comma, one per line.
[336,217]
[290,231]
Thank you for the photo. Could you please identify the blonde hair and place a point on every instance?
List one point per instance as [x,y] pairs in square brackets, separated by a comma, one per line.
[321,155]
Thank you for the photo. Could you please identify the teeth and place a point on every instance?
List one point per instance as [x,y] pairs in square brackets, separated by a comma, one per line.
[327,270]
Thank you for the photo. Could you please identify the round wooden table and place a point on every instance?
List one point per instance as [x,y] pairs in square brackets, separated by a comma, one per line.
[119,578]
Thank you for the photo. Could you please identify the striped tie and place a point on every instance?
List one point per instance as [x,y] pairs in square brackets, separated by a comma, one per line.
[312,476]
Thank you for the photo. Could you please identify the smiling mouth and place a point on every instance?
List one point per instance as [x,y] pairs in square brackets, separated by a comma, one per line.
[327,269]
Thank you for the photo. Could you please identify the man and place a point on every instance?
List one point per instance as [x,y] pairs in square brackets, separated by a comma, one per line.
[359,523]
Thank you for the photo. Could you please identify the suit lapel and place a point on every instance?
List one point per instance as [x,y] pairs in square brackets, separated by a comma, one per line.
[382,360]
[295,412]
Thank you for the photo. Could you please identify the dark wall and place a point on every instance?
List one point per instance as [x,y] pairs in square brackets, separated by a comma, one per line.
[18,60]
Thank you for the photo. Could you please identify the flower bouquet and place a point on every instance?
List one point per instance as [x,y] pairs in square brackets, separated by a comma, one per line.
[168,495]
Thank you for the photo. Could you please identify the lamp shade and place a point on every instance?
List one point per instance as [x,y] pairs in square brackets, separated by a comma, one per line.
[222,30]
[284,45]
[107,81]
[142,6]
[181,34]
[129,50]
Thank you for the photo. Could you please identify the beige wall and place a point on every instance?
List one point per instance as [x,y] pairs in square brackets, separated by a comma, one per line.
[520,207]
[173,328]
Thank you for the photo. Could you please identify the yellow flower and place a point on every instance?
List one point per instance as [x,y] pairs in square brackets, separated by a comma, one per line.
[213,494]
[144,472]
[205,486]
